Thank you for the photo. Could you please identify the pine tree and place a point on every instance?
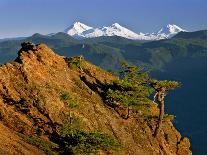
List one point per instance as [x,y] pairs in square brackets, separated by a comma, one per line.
[161,88]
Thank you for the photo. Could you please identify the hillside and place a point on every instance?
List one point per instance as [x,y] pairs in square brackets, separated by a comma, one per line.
[57,105]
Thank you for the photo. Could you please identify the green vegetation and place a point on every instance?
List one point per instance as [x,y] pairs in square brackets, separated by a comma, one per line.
[88,142]
[71,125]
[170,117]
[161,88]
[72,105]
[131,90]
[74,140]
[167,85]
[74,62]
[46,146]
[65,97]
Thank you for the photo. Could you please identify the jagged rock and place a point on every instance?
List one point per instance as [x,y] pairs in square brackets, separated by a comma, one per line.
[27,46]
[183,146]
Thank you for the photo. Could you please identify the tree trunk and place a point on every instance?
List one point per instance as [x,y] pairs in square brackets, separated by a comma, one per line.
[161,96]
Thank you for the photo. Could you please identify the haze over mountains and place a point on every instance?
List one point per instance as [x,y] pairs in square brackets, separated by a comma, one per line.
[80,31]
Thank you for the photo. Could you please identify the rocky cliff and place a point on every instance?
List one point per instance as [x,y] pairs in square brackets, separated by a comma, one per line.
[41,92]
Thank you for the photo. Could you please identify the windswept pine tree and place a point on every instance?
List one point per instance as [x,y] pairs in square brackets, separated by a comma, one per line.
[161,88]
[134,88]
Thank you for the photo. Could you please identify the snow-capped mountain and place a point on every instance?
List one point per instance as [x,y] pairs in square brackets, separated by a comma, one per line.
[169,31]
[113,30]
[79,30]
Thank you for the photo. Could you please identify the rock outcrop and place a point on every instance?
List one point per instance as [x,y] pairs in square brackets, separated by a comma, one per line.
[31,104]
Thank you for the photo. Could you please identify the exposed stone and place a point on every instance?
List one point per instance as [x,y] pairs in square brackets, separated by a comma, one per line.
[30,103]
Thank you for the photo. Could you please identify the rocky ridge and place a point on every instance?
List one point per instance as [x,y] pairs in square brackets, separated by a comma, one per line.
[36,94]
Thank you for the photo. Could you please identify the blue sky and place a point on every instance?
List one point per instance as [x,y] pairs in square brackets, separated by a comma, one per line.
[25,17]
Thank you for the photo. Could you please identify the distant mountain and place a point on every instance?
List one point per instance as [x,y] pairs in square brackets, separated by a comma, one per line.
[169,31]
[80,31]
[77,29]
[201,35]
[108,51]
[7,39]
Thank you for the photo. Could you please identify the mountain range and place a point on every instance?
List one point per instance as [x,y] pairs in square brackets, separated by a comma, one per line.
[80,31]
[182,58]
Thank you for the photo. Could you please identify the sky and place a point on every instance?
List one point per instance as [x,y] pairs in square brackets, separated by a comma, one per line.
[20,18]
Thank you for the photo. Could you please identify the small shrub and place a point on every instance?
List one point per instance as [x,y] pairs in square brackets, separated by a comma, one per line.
[74,62]
[64,96]
[46,146]
[72,105]
[170,117]
[74,140]
[89,142]
[72,125]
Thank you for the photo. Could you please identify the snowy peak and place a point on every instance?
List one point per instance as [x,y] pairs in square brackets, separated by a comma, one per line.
[79,30]
[169,31]
[116,26]
[114,30]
